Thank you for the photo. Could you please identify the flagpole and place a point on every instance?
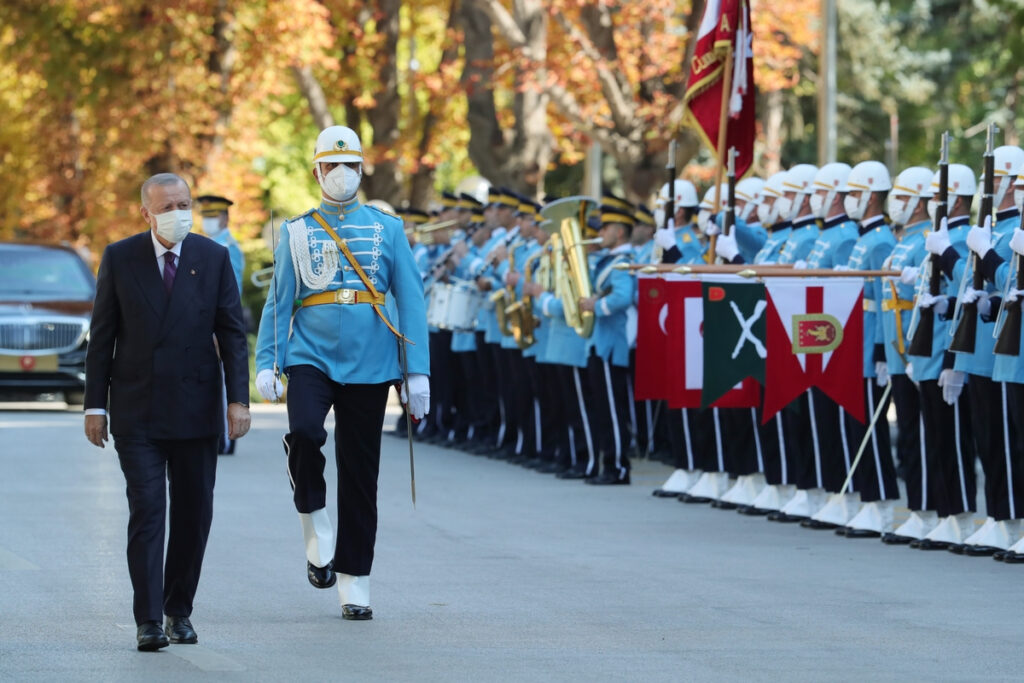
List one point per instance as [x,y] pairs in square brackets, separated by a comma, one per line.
[745,270]
[723,120]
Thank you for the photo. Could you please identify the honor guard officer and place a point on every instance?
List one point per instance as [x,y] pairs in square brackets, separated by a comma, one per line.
[936,375]
[608,349]
[678,239]
[338,349]
[214,212]
[748,236]
[1003,466]
[795,205]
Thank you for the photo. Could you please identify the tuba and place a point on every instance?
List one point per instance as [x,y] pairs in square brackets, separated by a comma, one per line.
[565,220]
[503,298]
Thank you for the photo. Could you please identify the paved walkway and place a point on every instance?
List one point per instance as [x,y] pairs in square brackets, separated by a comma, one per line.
[499,574]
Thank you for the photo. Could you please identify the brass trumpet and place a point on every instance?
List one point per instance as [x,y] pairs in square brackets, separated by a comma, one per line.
[566,218]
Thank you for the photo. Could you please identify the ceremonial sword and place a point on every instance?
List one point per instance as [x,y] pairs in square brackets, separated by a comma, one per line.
[403,354]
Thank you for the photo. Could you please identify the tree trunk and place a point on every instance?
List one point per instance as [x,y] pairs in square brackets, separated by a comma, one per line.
[381,174]
[772,159]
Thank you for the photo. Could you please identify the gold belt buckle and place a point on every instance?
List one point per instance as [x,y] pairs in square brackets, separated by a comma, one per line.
[345,296]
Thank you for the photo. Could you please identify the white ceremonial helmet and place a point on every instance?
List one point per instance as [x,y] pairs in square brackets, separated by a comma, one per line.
[830,178]
[767,212]
[1009,160]
[800,180]
[749,190]
[707,204]
[685,197]
[911,185]
[865,178]
[475,186]
[962,183]
[338,144]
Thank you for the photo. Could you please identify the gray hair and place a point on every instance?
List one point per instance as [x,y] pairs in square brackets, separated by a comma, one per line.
[160,179]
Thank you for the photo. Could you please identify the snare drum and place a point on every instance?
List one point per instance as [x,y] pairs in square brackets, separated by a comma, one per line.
[437,306]
[464,301]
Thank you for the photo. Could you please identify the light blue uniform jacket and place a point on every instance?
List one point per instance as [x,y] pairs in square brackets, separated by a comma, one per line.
[348,342]
[776,240]
[801,240]
[615,289]
[834,243]
[909,251]
[874,245]
[225,238]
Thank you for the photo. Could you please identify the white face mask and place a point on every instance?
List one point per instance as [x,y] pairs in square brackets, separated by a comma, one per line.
[702,218]
[784,208]
[764,213]
[748,209]
[818,205]
[342,182]
[855,206]
[932,207]
[174,225]
[211,225]
[897,207]
[1018,199]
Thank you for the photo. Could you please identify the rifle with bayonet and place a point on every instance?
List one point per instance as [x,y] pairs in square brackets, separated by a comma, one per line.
[923,328]
[1007,331]
[966,319]
[670,204]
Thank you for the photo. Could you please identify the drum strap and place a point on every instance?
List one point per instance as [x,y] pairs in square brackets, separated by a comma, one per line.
[347,253]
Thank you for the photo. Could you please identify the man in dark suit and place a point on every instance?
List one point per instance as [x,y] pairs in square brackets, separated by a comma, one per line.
[162,296]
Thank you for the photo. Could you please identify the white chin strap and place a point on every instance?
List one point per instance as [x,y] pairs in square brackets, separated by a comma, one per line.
[1004,184]
[318,535]
[354,590]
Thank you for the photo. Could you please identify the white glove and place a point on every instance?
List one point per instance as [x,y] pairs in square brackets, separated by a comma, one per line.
[800,265]
[270,387]
[711,227]
[910,372]
[666,237]
[978,296]
[952,383]
[979,238]
[939,302]
[938,241]
[418,404]
[881,373]
[1017,242]
[909,275]
[1013,295]
[726,247]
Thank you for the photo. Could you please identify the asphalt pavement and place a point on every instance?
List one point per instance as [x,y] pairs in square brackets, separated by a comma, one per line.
[497,574]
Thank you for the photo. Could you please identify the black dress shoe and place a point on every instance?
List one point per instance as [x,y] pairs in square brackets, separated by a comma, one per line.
[817,524]
[861,533]
[999,555]
[687,498]
[957,548]
[1013,557]
[662,493]
[608,479]
[980,550]
[752,511]
[890,538]
[550,467]
[929,544]
[356,613]
[723,505]
[180,631]
[151,637]
[321,577]
[571,473]
[785,518]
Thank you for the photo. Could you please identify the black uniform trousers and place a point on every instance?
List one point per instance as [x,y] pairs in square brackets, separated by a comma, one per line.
[442,389]
[833,453]
[941,477]
[359,417]
[997,434]
[907,400]
[875,476]
[800,446]
[186,470]
[741,441]
[608,411]
[575,442]
[488,400]
[772,440]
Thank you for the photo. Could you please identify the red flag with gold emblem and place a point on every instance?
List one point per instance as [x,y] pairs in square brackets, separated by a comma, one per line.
[650,381]
[724,28]
[815,338]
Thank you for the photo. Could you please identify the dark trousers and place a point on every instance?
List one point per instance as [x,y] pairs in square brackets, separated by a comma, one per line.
[772,441]
[359,416]
[442,404]
[466,380]
[996,427]
[875,476]
[802,451]
[682,427]
[609,416]
[575,440]
[906,399]
[941,477]
[487,398]
[186,469]
[833,453]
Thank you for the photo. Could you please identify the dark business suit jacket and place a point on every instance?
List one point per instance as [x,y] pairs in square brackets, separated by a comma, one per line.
[154,354]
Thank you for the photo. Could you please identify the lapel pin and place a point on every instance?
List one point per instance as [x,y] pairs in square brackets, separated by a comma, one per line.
[192,272]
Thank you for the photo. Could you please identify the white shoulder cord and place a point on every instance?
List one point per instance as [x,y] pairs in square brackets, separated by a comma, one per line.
[323,273]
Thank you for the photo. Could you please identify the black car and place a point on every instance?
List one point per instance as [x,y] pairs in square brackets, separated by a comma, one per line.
[46,298]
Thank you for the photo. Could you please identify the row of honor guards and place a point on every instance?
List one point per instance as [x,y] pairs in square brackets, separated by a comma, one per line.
[547,391]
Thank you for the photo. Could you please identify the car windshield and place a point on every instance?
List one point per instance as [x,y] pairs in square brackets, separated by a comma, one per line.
[40,274]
